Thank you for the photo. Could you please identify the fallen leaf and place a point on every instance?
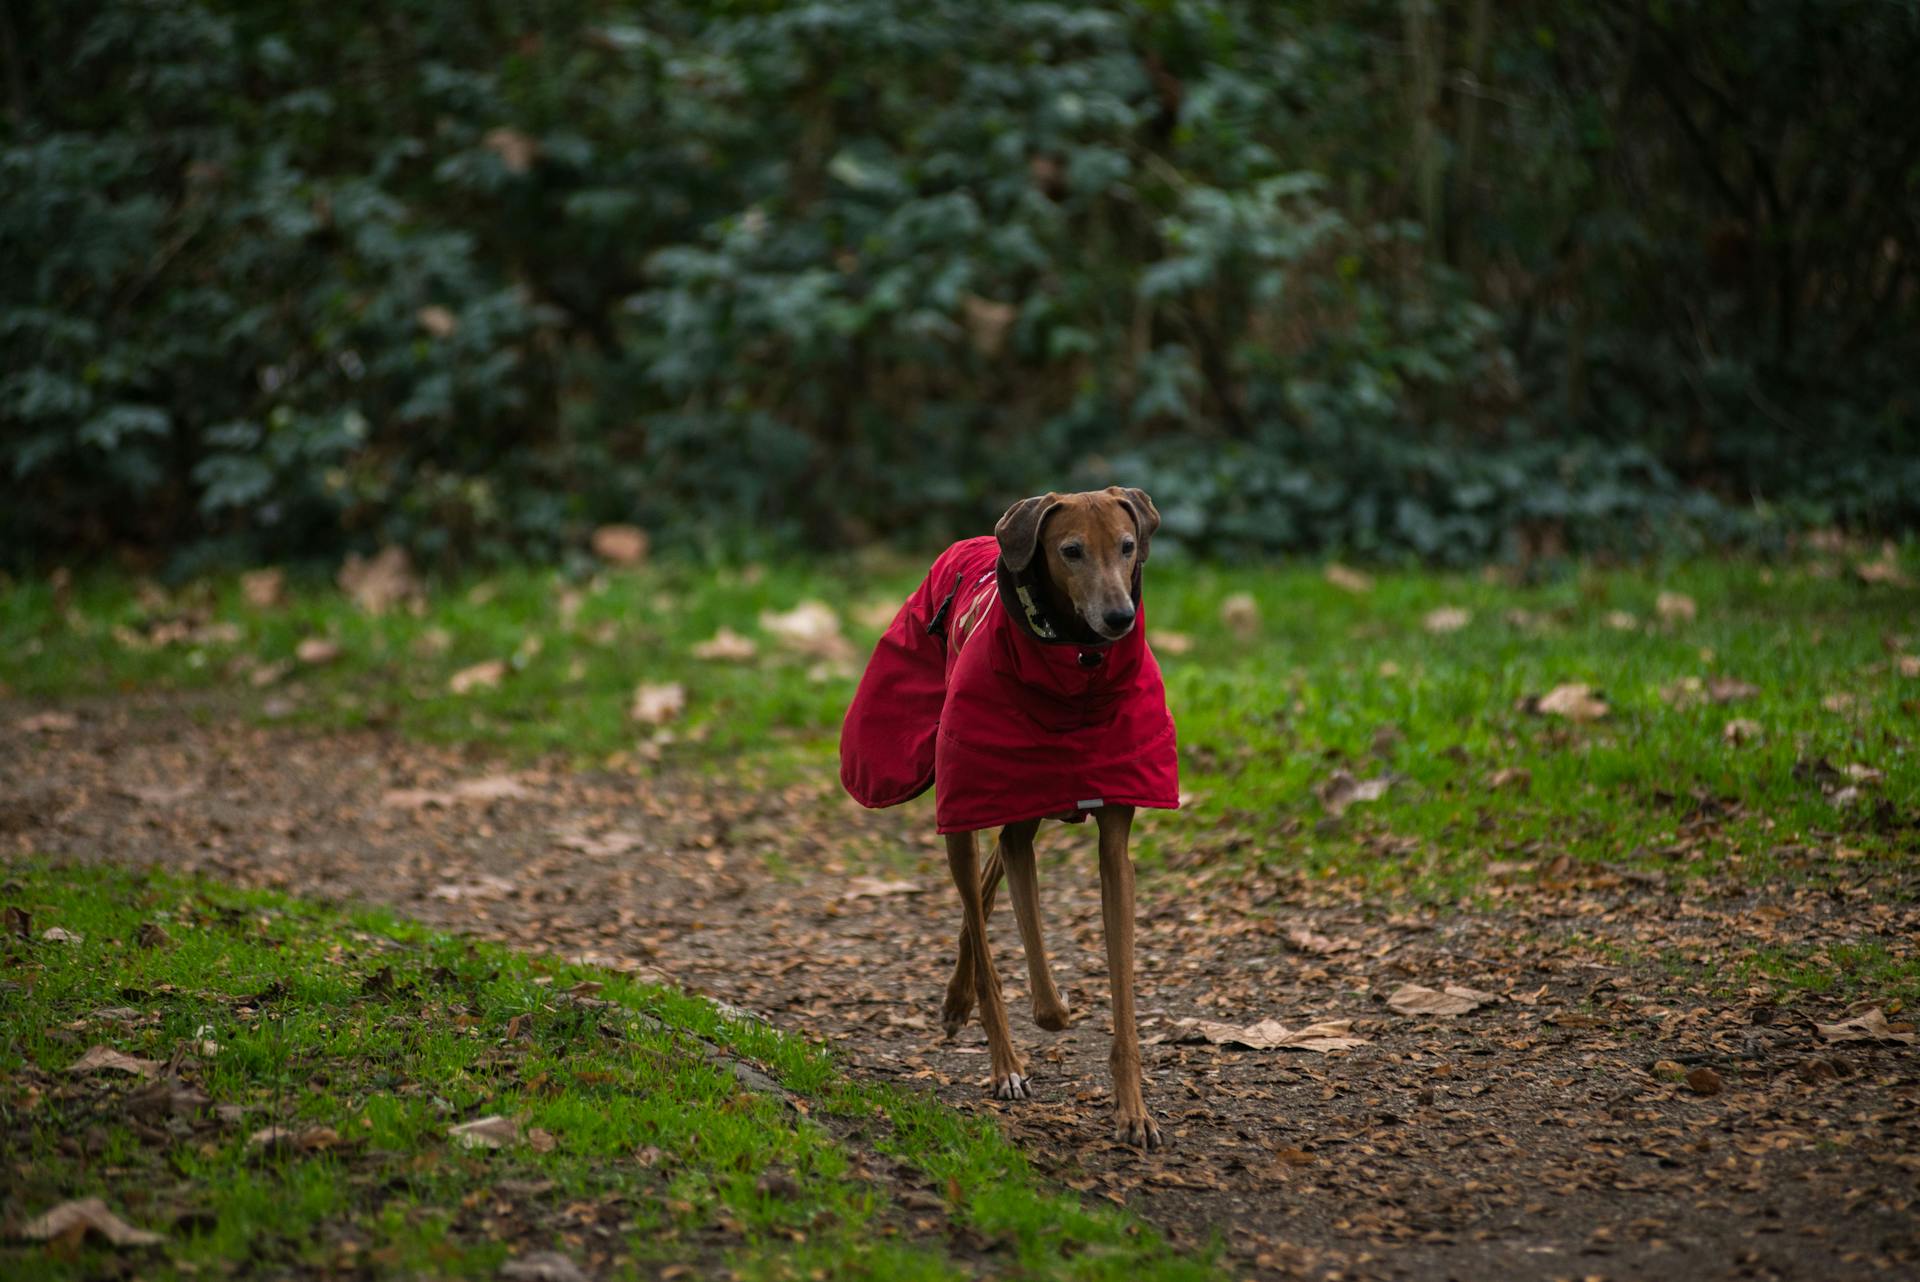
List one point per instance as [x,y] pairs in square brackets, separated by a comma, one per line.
[1621,621]
[1884,569]
[621,544]
[987,322]
[487,788]
[1868,1026]
[101,1058]
[1448,618]
[1704,1081]
[316,651]
[1341,790]
[655,704]
[1839,702]
[1741,730]
[1675,607]
[437,320]
[1170,642]
[74,1220]
[1348,579]
[1240,615]
[726,645]
[493,1131]
[878,888]
[1268,1034]
[516,150]
[1574,701]
[61,935]
[264,589]
[1516,778]
[486,675]
[379,583]
[19,922]
[541,1266]
[485,886]
[1307,941]
[1864,774]
[152,935]
[47,723]
[169,1097]
[810,628]
[1730,689]
[1907,665]
[1413,999]
[309,1139]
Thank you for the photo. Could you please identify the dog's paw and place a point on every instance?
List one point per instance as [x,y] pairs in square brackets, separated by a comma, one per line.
[1012,1086]
[1141,1132]
[1052,1018]
[954,1017]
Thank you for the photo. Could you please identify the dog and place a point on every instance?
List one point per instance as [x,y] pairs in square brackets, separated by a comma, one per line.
[1018,677]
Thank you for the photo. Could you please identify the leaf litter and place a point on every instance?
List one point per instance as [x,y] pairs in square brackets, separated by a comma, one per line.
[1542,1115]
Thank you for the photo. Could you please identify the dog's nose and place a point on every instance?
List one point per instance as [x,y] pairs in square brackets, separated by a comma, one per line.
[1119,620]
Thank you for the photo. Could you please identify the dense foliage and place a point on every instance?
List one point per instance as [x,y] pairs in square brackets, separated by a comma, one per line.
[1436,277]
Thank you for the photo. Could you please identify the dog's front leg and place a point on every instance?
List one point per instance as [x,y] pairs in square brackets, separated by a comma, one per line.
[1009,1071]
[1131,1125]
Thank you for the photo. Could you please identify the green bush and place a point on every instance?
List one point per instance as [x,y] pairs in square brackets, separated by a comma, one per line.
[1446,280]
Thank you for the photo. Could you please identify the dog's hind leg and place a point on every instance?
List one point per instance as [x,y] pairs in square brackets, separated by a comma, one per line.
[959,1003]
[1023,886]
[1009,1070]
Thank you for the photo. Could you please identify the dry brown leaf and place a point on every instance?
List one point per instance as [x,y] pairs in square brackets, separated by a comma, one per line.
[102,1058]
[810,628]
[1907,665]
[61,935]
[1730,689]
[1170,642]
[1413,999]
[655,704]
[1240,615]
[1307,941]
[516,150]
[71,1221]
[1884,569]
[987,322]
[621,544]
[47,723]
[1621,621]
[1448,618]
[486,675]
[379,583]
[1839,702]
[726,645]
[1741,730]
[1518,778]
[482,886]
[437,320]
[493,1131]
[264,589]
[1348,579]
[1704,1081]
[317,651]
[308,1139]
[487,788]
[1868,1026]
[876,615]
[542,1266]
[1675,607]
[1341,790]
[1575,701]
[1268,1034]
[879,888]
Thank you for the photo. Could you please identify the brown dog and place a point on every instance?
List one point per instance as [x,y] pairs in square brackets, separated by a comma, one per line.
[1092,545]
[1019,675]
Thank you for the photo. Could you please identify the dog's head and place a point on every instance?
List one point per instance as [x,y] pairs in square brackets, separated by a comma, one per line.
[1092,544]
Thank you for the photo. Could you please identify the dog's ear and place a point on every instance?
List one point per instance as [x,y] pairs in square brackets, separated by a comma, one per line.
[1146,517]
[1019,530]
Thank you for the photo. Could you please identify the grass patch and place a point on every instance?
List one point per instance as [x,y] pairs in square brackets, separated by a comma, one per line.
[365,1039]
[1825,666]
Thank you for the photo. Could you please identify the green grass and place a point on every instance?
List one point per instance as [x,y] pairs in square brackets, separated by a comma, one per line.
[644,1148]
[1264,717]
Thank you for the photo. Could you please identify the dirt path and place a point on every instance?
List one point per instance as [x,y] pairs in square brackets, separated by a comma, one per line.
[1532,1138]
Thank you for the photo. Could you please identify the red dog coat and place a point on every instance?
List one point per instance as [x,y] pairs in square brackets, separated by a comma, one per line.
[1014,727]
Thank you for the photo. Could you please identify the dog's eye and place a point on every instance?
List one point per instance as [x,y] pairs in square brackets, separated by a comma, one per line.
[1126,547]
[1071,551]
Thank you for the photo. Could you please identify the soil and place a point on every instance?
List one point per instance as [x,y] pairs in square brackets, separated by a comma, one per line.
[1599,1116]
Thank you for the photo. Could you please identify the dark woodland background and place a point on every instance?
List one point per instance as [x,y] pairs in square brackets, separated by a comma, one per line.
[1434,279]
